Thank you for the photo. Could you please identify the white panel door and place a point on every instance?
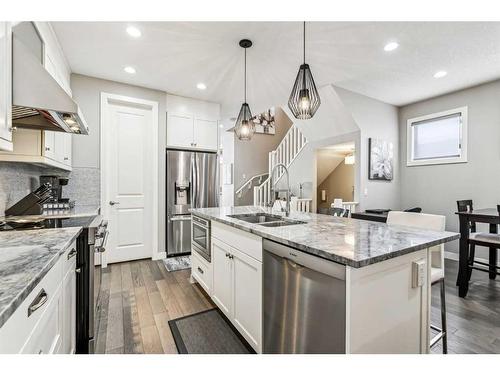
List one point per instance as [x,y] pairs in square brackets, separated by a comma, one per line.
[205,134]
[179,130]
[129,174]
[222,277]
[247,289]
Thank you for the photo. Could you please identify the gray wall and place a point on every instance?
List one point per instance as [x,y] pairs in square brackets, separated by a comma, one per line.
[252,158]
[338,184]
[86,149]
[436,188]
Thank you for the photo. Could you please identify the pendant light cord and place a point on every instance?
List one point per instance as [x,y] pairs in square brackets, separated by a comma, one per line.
[245,80]
[304,42]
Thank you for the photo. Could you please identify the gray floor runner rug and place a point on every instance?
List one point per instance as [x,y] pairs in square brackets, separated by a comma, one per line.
[207,332]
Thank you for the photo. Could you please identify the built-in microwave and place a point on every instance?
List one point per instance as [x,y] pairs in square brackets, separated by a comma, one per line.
[200,236]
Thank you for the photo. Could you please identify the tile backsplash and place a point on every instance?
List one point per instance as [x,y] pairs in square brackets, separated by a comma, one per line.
[18,179]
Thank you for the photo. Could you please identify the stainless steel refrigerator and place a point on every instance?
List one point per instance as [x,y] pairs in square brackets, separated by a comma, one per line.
[192,182]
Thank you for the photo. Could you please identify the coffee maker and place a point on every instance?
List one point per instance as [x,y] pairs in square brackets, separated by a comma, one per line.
[56,183]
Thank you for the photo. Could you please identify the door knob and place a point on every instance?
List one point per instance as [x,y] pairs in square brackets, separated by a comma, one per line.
[112,203]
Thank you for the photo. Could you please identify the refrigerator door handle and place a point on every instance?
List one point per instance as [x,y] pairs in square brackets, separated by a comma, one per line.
[194,179]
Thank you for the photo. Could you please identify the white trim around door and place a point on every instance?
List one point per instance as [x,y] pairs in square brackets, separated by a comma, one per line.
[134,104]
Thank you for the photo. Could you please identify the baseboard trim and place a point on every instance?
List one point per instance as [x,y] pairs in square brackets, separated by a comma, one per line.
[454,256]
[160,255]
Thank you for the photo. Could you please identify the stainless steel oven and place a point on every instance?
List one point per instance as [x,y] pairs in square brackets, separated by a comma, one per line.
[200,236]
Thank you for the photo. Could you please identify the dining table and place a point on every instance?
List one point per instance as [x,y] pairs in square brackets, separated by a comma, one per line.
[466,218]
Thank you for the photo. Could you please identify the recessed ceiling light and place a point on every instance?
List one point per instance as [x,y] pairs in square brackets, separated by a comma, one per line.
[201,86]
[440,74]
[391,46]
[129,69]
[221,126]
[134,32]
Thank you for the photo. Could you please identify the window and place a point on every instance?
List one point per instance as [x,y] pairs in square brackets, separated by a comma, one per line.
[438,138]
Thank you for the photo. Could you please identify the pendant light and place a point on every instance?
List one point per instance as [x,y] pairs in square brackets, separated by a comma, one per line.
[245,127]
[304,100]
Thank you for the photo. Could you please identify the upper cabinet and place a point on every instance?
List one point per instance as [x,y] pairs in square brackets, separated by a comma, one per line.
[192,124]
[5,86]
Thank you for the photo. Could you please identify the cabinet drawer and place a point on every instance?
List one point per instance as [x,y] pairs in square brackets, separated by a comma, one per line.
[46,338]
[201,271]
[19,326]
[245,242]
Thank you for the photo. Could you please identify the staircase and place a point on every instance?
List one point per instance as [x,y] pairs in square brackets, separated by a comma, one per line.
[289,148]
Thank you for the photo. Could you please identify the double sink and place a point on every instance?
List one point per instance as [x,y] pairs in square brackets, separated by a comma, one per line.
[266,220]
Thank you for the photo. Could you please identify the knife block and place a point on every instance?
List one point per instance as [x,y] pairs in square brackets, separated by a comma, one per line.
[29,205]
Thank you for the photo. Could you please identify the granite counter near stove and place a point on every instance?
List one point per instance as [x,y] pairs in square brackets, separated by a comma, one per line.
[25,258]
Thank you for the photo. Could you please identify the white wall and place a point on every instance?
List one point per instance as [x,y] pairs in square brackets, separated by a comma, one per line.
[345,116]
[436,188]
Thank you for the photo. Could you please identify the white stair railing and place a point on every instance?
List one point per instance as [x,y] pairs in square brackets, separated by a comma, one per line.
[248,184]
[290,146]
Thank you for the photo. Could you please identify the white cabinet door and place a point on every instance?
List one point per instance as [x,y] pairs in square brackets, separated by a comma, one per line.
[49,144]
[179,130]
[222,277]
[67,147]
[69,309]
[205,134]
[247,297]
[5,86]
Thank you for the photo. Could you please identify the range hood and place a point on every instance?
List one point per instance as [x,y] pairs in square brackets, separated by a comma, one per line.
[38,102]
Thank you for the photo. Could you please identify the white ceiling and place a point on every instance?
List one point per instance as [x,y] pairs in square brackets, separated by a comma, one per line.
[175,56]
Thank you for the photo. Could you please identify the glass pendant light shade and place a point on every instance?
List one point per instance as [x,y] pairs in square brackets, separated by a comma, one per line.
[244,127]
[304,100]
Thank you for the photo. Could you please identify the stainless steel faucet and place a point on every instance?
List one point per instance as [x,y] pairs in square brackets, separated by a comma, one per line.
[287,209]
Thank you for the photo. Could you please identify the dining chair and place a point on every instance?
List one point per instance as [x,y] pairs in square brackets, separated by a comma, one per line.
[491,240]
[340,212]
[437,223]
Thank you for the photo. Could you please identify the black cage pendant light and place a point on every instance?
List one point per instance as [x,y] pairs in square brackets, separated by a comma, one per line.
[245,127]
[304,100]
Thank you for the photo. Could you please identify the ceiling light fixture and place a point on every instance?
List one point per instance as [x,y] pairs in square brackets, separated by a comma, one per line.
[201,86]
[391,46]
[304,100]
[244,126]
[129,69]
[440,74]
[134,32]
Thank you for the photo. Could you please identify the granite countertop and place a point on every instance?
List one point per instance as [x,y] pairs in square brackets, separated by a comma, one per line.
[25,258]
[77,211]
[355,243]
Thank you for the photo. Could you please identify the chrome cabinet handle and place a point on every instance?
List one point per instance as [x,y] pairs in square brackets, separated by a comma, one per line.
[231,256]
[47,148]
[112,203]
[227,255]
[38,302]
[200,270]
[72,253]
[66,158]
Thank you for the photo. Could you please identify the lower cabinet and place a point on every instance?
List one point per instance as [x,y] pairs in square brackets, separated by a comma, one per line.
[45,322]
[237,290]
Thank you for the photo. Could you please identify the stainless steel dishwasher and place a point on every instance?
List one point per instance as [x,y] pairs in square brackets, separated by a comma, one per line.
[304,302]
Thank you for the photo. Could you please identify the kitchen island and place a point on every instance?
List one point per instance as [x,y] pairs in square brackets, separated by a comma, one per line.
[382,275]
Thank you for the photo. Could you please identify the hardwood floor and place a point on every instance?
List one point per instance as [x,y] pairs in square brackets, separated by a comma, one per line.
[140,297]
[138,300]
[473,322]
